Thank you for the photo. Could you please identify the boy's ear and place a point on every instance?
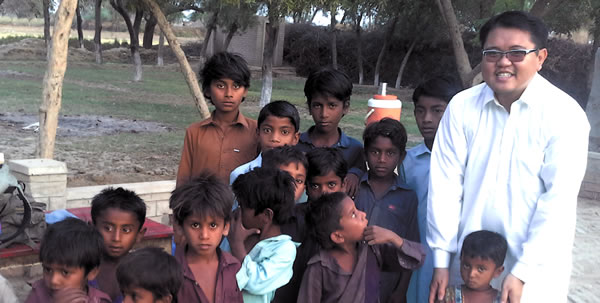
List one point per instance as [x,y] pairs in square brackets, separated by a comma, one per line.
[93,273]
[337,237]
[166,299]
[267,215]
[296,138]
[498,271]
[226,228]
[140,235]
[346,107]
[344,183]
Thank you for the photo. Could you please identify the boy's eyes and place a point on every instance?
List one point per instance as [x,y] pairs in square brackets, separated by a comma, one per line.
[285,131]
[195,225]
[333,105]
[331,184]
[213,225]
[267,130]
[314,186]
[299,181]
[480,269]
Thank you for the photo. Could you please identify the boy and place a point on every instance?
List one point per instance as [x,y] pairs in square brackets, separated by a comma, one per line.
[328,94]
[385,198]
[149,275]
[278,125]
[291,160]
[266,197]
[327,172]
[118,214]
[346,269]
[227,139]
[481,260]
[202,209]
[70,254]
[430,99]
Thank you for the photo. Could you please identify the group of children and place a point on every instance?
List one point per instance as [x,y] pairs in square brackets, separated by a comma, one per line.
[304,219]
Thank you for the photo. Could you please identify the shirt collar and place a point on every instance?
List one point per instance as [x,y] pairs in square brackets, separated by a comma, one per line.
[343,141]
[225,260]
[241,120]
[529,96]
[398,182]
[421,149]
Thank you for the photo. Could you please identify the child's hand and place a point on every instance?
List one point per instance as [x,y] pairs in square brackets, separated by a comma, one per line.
[70,295]
[237,232]
[379,235]
[352,185]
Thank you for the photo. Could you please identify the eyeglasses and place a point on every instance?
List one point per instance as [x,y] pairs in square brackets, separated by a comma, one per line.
[515,55]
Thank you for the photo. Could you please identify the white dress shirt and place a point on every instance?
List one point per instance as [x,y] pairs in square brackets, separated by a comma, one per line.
[517,174]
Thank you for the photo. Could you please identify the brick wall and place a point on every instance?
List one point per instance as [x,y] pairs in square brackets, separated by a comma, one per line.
[590,188]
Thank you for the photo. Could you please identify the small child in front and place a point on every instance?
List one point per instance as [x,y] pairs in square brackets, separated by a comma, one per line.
[481,261]
[202,210]
[119,215]
[347,268]
[385,197]
[149,275]
[70,253]
[266,197]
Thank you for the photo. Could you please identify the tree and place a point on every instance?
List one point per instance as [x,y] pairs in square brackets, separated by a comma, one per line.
[236,18]
[356,11]
[98,30]
[276,12]
[53,79]
[333,8]
[46,7]
[79,26]
[134,30]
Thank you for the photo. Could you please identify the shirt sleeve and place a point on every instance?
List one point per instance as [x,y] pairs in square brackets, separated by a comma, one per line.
[553,221]
[392,259]
[448,162]
[184,171]
[312,284]
[269,273]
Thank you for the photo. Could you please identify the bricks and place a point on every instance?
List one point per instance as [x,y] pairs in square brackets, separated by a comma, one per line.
[45,179]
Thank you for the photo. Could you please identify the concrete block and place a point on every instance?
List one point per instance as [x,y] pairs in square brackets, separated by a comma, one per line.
[47,189]
[150,209]
[589,186]
[588,195]
[162,208]
[39,178]
[160,196]
[34,167]
[78,203]
[42,199]
[146,197]
[13,271]
[57,203]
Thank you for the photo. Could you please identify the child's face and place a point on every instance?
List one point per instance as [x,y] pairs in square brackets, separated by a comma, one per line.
[383,157]
[204,233]
[57,276]
[428,113]
[352,222]
[327,112]
[227,95]
[277,131]
[328,183]
[120,230]
[477,272]
[298,172]
[142,295]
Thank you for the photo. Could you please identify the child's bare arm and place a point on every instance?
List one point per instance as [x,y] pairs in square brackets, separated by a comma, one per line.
[379,235]
[238,234]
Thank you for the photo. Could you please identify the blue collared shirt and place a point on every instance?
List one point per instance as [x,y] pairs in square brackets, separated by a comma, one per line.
[351,149]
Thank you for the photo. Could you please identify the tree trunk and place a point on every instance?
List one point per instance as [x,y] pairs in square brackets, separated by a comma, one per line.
[53,79]
[79,29]
[271,33]
[388,36]
[149,32]
[161,49]
[404,62]
[211,26]
[593,62]
[460,54]
[134,40]
[186,69]
[232,30]
[46,8]
[334,62]
[359,56]
[593,106]
[97,31]
[312,18]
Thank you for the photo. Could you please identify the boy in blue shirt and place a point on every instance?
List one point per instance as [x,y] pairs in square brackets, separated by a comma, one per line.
[430,99]
[385,198]
[328,94]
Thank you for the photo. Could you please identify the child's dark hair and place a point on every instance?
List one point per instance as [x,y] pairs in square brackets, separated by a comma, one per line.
[121,199]
[387,128]
[263,188]
[323,218]
[328,82]
[485,244]
[280,109]
[225,65]
[283,155]
[72,242]
[518,20]
[152,269]
[441,88]
[323,160]
[204,195]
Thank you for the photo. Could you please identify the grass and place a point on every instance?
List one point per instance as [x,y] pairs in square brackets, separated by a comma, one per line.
[162,96]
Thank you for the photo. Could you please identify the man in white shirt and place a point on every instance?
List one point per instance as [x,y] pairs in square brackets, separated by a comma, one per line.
[509,156]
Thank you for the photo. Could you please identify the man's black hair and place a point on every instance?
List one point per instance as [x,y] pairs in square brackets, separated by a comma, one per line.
[224,65]
[485,244]
[283,155]
[518,20]
[387,128]
[323,218]
[72,242]
[204,195]
[323,160]
[328,82]
[280,109]
[440,88]
[152,269]
[121,199]
[263,188]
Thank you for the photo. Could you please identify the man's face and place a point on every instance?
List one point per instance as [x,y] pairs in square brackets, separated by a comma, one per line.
[509,79]
[428,113]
